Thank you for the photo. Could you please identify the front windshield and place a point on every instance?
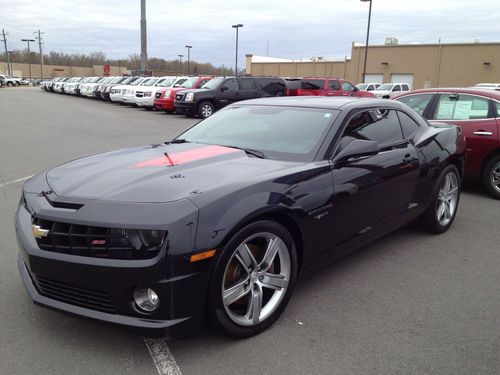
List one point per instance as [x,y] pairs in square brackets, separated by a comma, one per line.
[283,133]
[137,82]
[95,79]
[213,83]
[386,87]
[167,82]
[117,79]
[149,82]
[362,86]
[126,81]
[189,83]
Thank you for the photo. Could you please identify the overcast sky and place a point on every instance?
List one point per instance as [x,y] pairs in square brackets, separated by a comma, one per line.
[295,29]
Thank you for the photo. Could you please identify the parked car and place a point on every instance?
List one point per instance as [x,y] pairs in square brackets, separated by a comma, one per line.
[317,86]
[129,97]
[221,91]
[227,215]
[106,89]
[118,92]
[69,87]
[389,90]
[10,81]
[2,81]
[98,88]
[477,112]
[145,96]
[490,86]
[164,97]
[367,86]
[57,87]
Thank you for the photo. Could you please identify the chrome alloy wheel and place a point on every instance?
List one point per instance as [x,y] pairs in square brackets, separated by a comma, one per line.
[447,199]
[256,279]
[206,110]
[495,177]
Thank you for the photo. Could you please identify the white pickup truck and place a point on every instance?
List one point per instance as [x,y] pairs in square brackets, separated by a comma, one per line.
[10,81]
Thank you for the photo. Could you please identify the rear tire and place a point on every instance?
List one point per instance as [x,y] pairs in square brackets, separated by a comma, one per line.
[253,279]
[491,177]
[444,204]
[10,84]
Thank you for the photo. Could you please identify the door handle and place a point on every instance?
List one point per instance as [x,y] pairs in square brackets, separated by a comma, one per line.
[409,158]
[483,133]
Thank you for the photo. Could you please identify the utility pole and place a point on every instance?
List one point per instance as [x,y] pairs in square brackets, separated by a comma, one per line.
[189,59]
[180,64]
[39,37]
[29,54]
[144,46]
[237,27]
[6,52]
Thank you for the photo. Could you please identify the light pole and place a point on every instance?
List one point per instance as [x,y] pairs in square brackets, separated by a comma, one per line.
[367,37]
[29,54]
[237,26]
[180,64]
[10,53]
[189,59]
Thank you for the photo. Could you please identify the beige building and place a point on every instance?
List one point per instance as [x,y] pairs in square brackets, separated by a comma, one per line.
[50,71]
[421,65]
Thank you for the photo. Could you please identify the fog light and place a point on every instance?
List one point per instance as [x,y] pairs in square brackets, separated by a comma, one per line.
[146,299]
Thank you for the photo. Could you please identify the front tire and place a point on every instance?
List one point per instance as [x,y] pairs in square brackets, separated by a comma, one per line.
[206,109]
[253,279]
[444,204]
[491,177]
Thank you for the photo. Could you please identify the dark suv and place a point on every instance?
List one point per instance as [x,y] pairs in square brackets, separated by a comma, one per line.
[221,91]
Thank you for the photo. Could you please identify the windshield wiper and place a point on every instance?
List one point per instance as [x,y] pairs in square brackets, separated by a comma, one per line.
[178,140]
[249,151]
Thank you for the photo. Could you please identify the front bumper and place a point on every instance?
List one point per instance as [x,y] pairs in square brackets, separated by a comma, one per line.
[147,102]
[128,99]
[184,108]
[75,280]
[164,104]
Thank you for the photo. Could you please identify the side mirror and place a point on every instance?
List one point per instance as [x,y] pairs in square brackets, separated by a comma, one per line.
[354,91]
[224,88]
[356,149]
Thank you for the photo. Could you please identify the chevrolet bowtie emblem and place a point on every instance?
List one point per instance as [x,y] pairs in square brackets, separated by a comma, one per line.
[39,232]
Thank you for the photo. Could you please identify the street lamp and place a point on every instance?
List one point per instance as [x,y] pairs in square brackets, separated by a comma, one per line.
[189,59]
[29,54]
[236,64]
[367,37]
[180,64]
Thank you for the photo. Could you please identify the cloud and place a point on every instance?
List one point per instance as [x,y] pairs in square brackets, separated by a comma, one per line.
[294,29]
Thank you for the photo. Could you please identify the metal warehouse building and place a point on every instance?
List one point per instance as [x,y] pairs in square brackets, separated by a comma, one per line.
[421,65]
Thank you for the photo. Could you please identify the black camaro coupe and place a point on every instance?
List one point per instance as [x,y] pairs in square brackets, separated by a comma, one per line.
[220,221]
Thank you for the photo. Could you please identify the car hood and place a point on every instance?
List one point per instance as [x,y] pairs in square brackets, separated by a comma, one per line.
[381,92]
[157,173]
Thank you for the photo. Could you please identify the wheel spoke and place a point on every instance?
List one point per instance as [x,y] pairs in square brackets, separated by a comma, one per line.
[235,292]
[271,251]
[245,257]
[255,305]
[273,281]
[441,211]
[447,210]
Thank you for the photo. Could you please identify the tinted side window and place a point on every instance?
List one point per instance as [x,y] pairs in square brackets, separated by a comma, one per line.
[385,129]
[247,84]
[312,84]
[497,106]
[406,88]
[334,85]
[408,125]
[396,88]
[346,86]
[231,84]
[417,102]
[463,107]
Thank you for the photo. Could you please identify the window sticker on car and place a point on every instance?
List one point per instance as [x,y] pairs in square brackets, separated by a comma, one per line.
[462,110]
[445,109]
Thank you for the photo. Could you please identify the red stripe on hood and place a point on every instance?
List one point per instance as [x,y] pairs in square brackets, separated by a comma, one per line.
[176,158]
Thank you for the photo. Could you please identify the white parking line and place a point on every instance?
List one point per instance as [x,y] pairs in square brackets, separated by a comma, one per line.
[162,357]
[15,181]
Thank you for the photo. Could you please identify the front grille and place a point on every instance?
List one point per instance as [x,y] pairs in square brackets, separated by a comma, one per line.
[139,94]
[179,97]
[74,295]
[89,241]
[158,95]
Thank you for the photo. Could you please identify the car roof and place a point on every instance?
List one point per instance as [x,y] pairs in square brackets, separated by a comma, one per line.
[464,90]
[325,102]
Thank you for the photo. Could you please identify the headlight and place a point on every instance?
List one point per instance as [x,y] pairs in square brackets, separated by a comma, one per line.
[147,93]
[190,97]
[145,239]
[167,94]
[130,91]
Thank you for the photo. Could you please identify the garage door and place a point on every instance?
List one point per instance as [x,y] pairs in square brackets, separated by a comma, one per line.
[402,78]
[374,78]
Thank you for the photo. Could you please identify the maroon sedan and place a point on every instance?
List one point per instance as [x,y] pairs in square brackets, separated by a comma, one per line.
[477,112]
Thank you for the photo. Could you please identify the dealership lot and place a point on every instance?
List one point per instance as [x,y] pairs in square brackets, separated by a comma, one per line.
[409,303]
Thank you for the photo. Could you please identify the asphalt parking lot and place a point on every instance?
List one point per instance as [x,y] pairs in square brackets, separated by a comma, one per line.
[411,303]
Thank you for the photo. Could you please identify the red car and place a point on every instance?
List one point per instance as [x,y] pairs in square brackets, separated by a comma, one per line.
[164,98]
[323,87]
[477,112]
